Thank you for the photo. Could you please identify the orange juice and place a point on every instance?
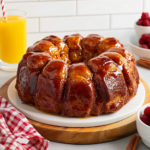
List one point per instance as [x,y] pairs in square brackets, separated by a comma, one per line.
[13,38]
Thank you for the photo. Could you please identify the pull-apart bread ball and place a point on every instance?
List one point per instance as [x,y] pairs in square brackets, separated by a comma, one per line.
[28,75]
[108,43]
[110,85]
[80,91]
[47,47]
[74,43]
[62,47]
[89,46]
[50,86]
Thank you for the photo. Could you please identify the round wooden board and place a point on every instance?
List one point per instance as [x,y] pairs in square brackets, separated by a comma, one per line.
[88,135]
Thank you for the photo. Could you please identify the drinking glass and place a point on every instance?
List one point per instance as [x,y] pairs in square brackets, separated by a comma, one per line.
[13,39]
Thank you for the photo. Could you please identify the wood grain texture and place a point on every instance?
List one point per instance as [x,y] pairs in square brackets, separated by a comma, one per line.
[88,135]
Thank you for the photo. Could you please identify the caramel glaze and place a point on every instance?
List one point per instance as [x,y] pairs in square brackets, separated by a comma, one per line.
[27,84]
[29,73]
[110,85]
[80,91]
[22,63]
[80,69]
[129,56]
[62,47]
[37,60]
[125,65]
[125,53]
[89,45]
[47,47]
[108,43]
[50,86]
[74,43]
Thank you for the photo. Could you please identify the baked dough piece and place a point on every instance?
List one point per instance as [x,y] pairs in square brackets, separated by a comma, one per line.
[128,70]
[74,43]
[125,53]
[89,46]
[80,91]
[110,85]
[62,47]
[45,46]
[108,43]
[28,75]
[50,86]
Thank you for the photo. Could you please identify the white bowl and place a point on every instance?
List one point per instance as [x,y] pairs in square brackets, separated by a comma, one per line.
[135,47]
[141,30]
[142,128]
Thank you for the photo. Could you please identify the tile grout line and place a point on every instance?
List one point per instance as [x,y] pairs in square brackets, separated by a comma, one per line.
[80,31]
[83,15]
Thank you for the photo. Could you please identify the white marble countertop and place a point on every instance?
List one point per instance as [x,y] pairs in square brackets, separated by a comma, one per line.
[114,145]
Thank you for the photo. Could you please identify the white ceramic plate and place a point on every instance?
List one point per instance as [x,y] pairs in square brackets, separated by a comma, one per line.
[135,47]
[30,112]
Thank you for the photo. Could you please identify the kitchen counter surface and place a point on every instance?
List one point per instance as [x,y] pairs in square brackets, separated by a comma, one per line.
[120,144]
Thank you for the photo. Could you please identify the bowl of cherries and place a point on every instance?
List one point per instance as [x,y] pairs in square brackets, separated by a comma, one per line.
[142,26]
[143,124]
[140,47]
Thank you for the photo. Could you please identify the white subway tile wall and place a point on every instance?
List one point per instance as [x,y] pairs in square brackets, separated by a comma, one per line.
[32,25]
[110,18]
[74,23]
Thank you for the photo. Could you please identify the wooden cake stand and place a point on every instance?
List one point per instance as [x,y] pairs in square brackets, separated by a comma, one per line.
[88,135]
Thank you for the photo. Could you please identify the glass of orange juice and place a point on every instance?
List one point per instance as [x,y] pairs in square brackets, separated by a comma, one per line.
[13,39]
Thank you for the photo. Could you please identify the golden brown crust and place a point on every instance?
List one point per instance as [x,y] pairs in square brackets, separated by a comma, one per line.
[37,60]
[27,84]
[22,63]
[125,53]
[74,43]
[50,86]
[128,70]
[79,97]
[110,85]
[56,69]
[47,47]
[108,43]
[62,47]
[89,46]
[79,69]
[30,68]
[80,91]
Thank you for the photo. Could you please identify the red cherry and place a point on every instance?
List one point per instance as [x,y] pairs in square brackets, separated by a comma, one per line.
[145,46]
[149,18]
[141,41]
[147,111]
[144,15]
[147,39]
[140,22]
[144,36]
[146,23]
[145,119]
